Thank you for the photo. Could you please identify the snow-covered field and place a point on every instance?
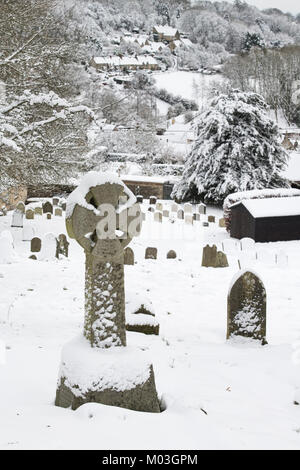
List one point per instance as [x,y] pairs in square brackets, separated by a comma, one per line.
[190,85]
[217,394]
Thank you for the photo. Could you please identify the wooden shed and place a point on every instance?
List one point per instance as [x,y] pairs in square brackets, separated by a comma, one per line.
[266,220]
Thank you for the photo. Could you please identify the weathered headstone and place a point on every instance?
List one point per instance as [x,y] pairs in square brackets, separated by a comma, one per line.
[36,245]
[29,214]
[58,212]
[151,253]
[159,206]
[166,213]
[63,206]
[202,209]
[141,323]
[158,217]
[246,307]
[139,199]
[128,256]
[55,201]
[211,219]
[47,207]
[222,223]
[212,258]
[18,215]
[152,200]
[180,214]
[171,254]
[62,246]
[49,216]
[38,211]
[188,208]
[108,373]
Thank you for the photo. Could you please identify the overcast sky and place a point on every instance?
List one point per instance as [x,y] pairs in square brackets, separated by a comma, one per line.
[291,6]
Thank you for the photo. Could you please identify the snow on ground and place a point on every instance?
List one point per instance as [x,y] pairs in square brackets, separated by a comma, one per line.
[190,85]
[292,172]
[218,394]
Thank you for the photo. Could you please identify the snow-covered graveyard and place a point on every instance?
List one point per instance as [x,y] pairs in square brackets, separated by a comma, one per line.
[214,393]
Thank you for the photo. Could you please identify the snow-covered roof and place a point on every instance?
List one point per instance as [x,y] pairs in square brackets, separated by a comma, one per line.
[125,61]
[273,207]
[166,30]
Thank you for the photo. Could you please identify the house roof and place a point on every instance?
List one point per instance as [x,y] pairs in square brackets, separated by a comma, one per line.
[166,30]
[125,61]
[272,207]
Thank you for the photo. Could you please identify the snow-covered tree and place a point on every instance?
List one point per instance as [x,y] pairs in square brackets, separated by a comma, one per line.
[237,149]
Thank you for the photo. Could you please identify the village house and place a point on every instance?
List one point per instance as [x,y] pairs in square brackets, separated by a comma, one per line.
[165,33]
[124,63]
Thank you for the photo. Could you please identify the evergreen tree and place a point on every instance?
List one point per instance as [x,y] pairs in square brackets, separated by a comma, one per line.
[237,149]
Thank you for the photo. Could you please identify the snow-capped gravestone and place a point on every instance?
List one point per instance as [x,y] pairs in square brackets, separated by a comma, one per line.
[36,245]
[18,215]
[246,307]
[103,217]
[29,214]
[247,244]
[48,250]
[47,208]
[28,233]
[212,258]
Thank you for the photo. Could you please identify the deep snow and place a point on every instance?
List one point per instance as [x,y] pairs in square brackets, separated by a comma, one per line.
[218,394]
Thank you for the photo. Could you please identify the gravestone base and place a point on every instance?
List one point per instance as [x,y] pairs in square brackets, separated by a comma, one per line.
[117,376]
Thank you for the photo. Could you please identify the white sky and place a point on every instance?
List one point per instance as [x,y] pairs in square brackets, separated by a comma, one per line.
[291,6]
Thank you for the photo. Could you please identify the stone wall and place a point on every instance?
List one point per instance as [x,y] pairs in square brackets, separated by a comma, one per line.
[10,197]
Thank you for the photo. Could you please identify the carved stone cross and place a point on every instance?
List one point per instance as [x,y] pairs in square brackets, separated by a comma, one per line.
[104,226]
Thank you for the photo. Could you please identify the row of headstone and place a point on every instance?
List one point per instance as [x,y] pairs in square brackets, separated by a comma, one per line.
[30,213]
[150,253]
[50,246]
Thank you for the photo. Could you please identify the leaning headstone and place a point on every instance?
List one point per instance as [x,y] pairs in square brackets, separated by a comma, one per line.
[152,200]
[151,253]
[246,307]
[29,214]
[212,258]
[157,217]
[97,367]
[188,208]
[180,214]
[18,215]
[38,211]
[36,245]
[62,246]
[28,233]
[47,208]
[171,254]
[211,219]
[202,209]
[58,212]
[247,244]
[128,256]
